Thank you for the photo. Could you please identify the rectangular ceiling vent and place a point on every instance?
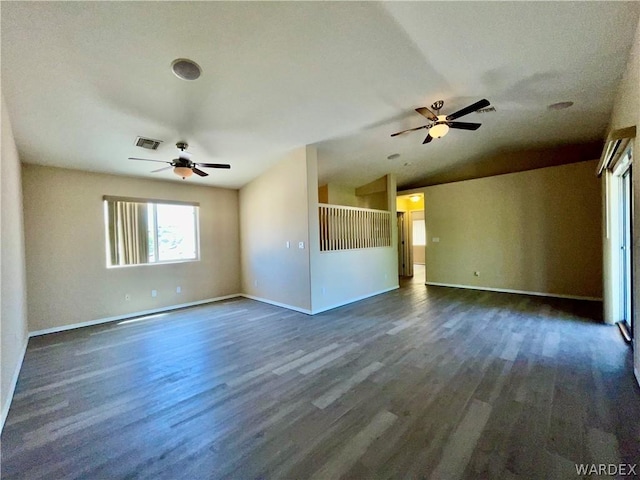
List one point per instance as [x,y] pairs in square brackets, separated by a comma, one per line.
[486,110]
[148,143]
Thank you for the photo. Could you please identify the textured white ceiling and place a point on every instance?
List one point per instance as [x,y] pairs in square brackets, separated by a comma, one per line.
[83,79]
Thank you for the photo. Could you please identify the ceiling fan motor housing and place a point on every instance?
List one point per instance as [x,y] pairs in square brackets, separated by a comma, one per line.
[182,162]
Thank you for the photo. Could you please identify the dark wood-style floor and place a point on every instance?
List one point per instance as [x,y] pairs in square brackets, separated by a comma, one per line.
[422,382]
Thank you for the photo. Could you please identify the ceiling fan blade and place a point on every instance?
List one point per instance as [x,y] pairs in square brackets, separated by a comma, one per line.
[471,108]
[464,125]
[425,112]
[409,130]
[213,165]
[199,172]
[162,169]
[147,160]
[428,139]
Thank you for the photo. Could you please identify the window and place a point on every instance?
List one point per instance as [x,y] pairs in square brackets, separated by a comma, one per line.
[141,231]
[419,233]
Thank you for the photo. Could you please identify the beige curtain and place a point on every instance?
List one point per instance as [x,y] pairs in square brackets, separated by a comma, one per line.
[128,239]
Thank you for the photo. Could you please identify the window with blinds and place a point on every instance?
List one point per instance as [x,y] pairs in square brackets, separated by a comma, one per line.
[143,231]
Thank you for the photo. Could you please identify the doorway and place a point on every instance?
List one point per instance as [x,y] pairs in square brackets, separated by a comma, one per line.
[626,250]
[405,260]
[411,237]
[619,227]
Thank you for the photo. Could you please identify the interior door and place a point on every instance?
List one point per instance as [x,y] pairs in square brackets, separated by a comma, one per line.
[626,247]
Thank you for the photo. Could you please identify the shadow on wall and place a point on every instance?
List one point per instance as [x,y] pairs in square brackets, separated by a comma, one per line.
[372,195]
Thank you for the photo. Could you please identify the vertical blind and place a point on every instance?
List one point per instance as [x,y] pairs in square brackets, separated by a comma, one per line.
[128,234]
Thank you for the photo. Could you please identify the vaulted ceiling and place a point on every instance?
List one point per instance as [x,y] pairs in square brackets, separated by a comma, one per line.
[83,79]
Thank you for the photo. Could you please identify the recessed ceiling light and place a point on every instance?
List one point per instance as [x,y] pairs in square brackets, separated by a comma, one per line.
[415,198]
[559,105]
[393,156]
[185,69]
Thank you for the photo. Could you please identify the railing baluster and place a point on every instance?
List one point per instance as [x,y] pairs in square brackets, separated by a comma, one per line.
[348,228]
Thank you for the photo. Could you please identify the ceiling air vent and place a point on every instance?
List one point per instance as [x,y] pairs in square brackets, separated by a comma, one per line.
[486,110]
[148,143]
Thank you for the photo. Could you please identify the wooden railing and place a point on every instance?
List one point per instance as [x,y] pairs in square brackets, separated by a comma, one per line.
[345,228]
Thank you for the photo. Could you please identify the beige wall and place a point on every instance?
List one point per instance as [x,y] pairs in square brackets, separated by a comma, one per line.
[375,195]
[13,306]
[67,278]
[274,211]
[626,112]
[366,196]
[535,231]
[341,277]
[341,195]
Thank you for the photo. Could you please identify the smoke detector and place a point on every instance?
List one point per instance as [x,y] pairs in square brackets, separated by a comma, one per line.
[186,69]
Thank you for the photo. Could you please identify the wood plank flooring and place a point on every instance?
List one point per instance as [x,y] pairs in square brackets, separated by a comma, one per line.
[422,382]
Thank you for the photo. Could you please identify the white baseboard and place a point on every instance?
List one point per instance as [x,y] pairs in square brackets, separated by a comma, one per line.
[520,292]
[129,315]
[356,299]
[319,310]
[277,304]
[12,386]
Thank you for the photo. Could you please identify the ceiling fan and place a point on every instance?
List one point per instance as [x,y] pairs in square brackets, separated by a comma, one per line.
[442,123]
[183,166]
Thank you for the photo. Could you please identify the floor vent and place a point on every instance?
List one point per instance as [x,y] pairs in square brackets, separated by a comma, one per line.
[148,143]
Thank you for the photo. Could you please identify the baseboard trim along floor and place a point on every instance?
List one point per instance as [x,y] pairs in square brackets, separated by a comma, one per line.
[520,292]
[12,386]
[126,316]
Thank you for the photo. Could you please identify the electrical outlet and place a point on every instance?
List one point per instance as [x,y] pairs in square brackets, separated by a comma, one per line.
[154,293]
[127,297]
[288,244]
[300,245]
[476,274]
[178,289]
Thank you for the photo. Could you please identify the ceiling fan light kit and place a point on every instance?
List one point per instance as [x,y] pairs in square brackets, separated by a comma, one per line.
[442,123]
[183,172]
[440,128]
